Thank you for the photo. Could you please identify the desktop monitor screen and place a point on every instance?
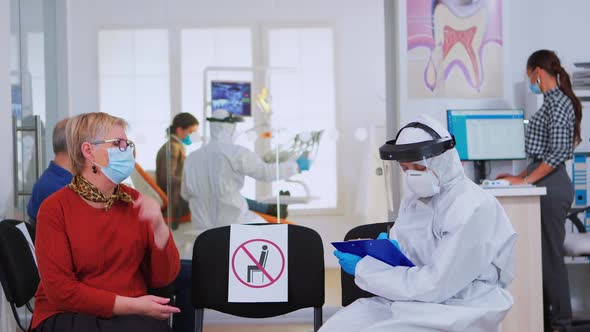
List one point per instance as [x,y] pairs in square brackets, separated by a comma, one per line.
[231,96]
[488,134]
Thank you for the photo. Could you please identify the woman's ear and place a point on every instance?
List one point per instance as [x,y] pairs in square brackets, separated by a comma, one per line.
[87,150]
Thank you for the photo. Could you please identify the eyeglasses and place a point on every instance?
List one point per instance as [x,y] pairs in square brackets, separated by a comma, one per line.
[122,144]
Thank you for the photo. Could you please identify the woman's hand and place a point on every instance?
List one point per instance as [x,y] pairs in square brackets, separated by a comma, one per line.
[514,180]
[504,175]
[147,305]
[154,306]
[149,211]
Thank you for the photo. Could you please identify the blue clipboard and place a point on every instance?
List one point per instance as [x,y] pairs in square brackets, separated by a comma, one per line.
[382,250]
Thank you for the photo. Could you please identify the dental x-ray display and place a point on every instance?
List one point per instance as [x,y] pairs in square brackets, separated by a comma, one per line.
[232,96]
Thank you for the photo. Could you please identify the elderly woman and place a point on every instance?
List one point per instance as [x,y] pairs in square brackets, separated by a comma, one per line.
[101,244]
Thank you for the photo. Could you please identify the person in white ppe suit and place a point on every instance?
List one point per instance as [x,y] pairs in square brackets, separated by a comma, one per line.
[457,235]
[214,176]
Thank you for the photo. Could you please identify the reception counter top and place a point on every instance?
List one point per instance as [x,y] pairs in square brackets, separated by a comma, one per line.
[517,191]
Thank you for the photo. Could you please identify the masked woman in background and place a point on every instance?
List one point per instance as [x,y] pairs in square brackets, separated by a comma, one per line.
[551,135]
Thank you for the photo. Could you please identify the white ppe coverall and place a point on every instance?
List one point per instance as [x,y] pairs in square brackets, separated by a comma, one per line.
[462,244]
[214,175]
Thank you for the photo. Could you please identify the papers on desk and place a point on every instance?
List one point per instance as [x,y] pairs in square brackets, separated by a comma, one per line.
[508,186]
[382,250]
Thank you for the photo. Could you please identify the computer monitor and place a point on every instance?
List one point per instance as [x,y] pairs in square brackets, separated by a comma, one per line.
[232,96]
[493,134]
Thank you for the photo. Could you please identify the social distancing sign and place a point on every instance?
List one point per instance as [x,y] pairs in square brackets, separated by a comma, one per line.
[258,270]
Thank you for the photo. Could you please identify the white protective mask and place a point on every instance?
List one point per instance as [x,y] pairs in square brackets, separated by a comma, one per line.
[423,184]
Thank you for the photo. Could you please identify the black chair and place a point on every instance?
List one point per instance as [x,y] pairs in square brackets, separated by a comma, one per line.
[306,276]
[167,292]
[350,291]
[18,272]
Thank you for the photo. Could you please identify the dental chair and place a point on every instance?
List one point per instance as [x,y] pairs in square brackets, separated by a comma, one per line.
[146,185]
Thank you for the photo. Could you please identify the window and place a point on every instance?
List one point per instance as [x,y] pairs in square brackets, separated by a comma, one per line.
[134,78]
[36,73]
[305,100]
[134,75]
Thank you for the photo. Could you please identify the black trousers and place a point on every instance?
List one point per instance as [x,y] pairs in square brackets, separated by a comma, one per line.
[554,207]
[69,322]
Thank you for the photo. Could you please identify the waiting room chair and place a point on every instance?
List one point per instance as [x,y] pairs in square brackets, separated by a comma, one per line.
[350,291]
[18,272]
[210,276]
[167,292]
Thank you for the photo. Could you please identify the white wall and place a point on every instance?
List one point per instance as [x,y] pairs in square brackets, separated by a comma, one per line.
[360,72]
[564,28]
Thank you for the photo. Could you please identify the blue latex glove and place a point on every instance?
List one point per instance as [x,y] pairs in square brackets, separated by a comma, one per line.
[303,164]
[347,261]
[383,236]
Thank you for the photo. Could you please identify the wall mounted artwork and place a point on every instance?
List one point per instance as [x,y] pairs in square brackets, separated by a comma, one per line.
[454,49]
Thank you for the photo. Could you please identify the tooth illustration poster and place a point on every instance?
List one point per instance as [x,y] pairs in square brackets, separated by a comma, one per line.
[455,49]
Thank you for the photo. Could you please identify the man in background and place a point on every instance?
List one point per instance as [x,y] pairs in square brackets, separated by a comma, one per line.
[56,176]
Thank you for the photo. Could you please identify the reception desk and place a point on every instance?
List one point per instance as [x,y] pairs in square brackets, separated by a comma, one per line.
[522,205]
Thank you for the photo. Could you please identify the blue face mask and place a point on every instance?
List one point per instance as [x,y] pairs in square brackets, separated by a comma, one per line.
[121,164]
[534,87]
[187,140]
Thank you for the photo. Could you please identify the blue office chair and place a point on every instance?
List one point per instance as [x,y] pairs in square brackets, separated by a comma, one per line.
[211,269]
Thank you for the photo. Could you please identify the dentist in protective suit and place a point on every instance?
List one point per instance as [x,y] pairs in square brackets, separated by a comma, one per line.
[457,235]
[214,176]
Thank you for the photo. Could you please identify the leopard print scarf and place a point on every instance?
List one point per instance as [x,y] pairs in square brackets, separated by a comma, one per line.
[89,192]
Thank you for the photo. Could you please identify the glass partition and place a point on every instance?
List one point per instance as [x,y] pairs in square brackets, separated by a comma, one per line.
[29,97]
[288,110]
[283,92]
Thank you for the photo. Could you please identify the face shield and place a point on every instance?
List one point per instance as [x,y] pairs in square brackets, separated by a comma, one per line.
[225,117]
[422,182]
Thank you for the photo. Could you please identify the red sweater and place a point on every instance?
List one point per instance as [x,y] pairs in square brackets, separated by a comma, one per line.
[88,256]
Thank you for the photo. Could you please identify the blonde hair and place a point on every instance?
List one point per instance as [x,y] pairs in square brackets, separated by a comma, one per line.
[87,127]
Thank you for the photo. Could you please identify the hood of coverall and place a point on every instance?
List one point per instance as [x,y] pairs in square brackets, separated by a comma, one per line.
[447,166]
[222,131]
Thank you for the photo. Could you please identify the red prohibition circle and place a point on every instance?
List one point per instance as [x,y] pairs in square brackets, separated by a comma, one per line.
[242,246]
